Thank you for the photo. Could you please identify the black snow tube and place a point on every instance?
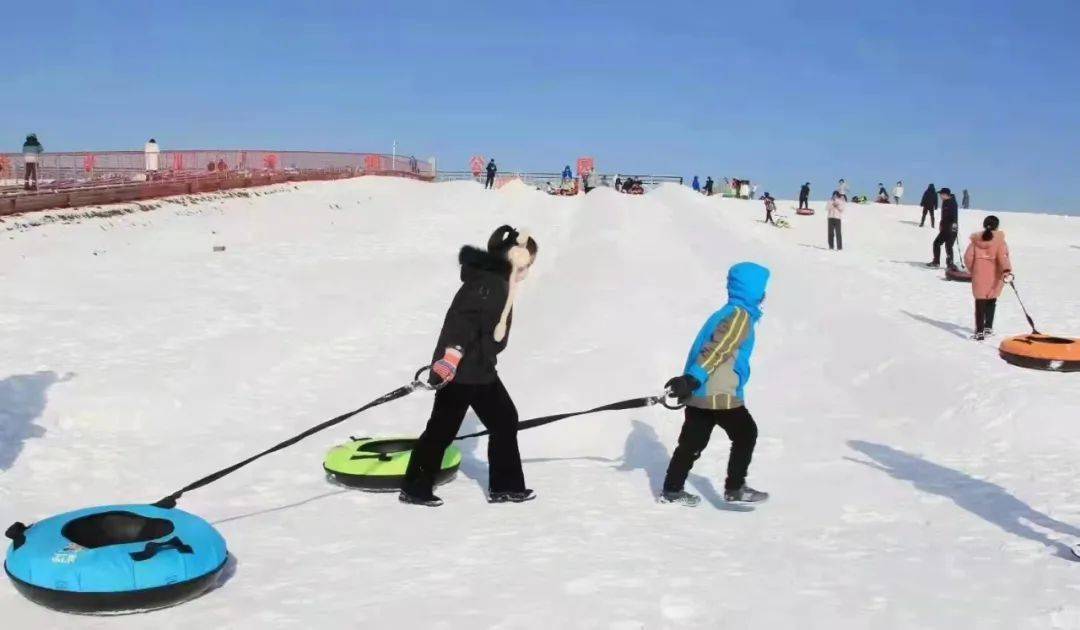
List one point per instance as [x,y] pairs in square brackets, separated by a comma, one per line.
[958,275]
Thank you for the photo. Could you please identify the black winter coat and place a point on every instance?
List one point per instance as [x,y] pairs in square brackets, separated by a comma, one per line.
[473,315]
[804,192]
[930,199]
[491,168]
[950,215]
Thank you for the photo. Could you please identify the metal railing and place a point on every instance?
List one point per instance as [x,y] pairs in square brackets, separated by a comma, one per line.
[59,170]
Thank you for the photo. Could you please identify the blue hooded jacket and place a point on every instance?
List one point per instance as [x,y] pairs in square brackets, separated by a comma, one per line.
[746,290]
[696,185]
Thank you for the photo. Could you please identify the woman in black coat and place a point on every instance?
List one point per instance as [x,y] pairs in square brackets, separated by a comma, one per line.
[929,205]
[476,330]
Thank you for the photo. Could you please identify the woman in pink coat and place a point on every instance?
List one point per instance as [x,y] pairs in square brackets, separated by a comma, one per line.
[987,257]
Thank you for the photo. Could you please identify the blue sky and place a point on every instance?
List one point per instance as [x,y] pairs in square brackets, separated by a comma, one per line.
[979,95]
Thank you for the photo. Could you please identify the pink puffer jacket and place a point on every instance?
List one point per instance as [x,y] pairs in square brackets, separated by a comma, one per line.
[988,262]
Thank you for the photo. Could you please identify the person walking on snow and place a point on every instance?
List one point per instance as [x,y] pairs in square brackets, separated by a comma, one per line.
[713,387]
[804,196]
[947,230]
[842,188]
[898,192]
[770,207]
[491,170]
[835,208]
[152,154]
[31,154]
[696,185]
[965,200]
[929,204]
[708,186]
[987,258]
[476,330]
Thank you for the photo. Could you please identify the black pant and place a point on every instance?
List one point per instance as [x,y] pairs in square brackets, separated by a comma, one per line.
[804,202]
[768,216]
[984,314]
[834,231]
[31,174]
[490,181]
[694,437]
[946,237]
[924,211]
[496,411]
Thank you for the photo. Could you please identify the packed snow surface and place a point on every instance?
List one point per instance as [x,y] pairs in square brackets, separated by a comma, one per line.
[918,480]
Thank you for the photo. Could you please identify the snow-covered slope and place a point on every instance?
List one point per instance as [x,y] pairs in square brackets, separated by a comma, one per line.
[918,481]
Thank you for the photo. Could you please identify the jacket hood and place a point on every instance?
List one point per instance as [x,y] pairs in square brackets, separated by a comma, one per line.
[977,239]
[474,261]
[746,286]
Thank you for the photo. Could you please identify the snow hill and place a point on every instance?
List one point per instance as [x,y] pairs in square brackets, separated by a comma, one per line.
[918,480]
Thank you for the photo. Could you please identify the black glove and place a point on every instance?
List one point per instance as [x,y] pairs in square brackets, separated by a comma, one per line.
[681,387]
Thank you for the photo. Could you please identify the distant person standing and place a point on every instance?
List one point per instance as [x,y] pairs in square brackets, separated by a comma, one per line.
[947,230]
[567,174]
[842,188]
[744,189]
[152,154]
[965,200]
[882,194]
[898,192]
[491,170]
[929,204]
[31,154]
[618,183]
[753,190]
[770,207]
[835,208]
[708,186]
[804,196]
[696,185]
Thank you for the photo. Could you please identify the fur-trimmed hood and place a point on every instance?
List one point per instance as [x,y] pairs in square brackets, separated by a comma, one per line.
[474,260]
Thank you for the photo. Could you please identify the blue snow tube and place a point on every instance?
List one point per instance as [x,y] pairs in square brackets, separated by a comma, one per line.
[116,558]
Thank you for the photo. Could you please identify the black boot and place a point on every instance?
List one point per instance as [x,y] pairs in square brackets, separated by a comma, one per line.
[412,499]
[504,496]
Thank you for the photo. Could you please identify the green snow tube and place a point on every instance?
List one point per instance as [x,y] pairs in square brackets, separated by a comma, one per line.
[379,464]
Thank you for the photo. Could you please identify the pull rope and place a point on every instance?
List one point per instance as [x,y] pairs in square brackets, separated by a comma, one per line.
[401,392]
[632,403]
[1031,323]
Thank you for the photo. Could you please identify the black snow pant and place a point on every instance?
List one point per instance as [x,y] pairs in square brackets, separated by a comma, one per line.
[694,437]
[924,212]
[768,216]
[490,181]
[31,175]
[834,232]
[984,314]
[946,237]
[496,411]
[804,202]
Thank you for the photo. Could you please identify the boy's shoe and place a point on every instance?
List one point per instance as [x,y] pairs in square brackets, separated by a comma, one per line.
[512,496]
[745,494]
[979,336]
[988,332]
[952,267]
[681,497]
[429,501]
[933,264]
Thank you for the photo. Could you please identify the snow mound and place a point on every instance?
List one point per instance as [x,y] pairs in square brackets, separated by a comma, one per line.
[917,479]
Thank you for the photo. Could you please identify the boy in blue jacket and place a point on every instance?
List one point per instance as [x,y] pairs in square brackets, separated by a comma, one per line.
[712,386]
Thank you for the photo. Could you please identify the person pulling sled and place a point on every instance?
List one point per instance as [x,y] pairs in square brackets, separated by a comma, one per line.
[712,387]
[476,330]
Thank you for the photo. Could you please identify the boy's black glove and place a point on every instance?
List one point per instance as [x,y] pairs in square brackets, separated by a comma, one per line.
[681,387]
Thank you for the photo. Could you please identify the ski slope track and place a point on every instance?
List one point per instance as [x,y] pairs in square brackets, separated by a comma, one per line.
[917,480]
